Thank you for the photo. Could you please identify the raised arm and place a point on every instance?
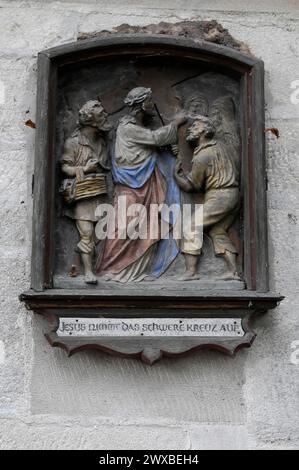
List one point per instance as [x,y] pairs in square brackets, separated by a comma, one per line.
[165,135]
[157,138]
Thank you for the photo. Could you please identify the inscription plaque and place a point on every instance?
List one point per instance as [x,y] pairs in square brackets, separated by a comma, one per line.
[79,327]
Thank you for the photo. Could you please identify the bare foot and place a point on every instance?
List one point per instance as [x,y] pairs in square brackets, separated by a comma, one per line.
[90,278]
[189,276]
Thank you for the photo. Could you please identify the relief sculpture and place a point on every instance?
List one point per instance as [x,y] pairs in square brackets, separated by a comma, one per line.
[142,174]
[147,171]
[214,170]
[85,163]
[150,213]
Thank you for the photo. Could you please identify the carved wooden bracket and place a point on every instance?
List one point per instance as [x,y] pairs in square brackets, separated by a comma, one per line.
[203,309]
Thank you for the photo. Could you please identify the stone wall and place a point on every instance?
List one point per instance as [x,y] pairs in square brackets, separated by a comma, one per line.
[92,400]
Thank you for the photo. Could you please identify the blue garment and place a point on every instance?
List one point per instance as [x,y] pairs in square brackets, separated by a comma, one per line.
[167,248]
[136,177]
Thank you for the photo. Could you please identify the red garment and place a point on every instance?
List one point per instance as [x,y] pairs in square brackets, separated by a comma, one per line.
[118,253]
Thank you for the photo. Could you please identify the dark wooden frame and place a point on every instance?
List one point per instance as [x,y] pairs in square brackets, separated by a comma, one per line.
[257,297]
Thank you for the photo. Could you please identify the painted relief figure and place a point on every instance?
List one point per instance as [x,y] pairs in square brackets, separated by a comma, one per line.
[146,174]
[85,164]
[214,171]
[143,174]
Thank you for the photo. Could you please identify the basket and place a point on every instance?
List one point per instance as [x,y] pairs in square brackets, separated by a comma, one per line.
[89,187]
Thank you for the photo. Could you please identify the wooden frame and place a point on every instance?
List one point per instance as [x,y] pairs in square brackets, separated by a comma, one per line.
[42,297]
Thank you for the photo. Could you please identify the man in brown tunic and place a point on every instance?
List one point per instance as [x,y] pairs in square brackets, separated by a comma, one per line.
[215,172]
[84,160]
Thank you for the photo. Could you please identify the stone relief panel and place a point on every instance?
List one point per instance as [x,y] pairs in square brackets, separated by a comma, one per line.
[150,225]
[162,136]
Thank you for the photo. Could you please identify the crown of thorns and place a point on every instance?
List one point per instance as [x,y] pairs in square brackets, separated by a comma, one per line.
[137,95]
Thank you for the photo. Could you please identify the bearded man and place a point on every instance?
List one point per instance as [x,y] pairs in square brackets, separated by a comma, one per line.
[214,171]
[85,163]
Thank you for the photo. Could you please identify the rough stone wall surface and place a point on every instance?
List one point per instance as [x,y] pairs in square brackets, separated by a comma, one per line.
[91,400]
